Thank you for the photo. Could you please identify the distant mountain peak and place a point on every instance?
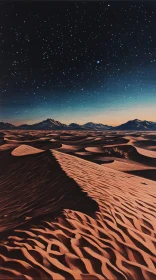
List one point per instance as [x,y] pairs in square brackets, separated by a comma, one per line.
[137,120]
[137,124]
[4,126]
[49,120]
[96,126]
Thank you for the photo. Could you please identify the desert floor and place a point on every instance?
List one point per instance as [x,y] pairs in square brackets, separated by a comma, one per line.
[77,205]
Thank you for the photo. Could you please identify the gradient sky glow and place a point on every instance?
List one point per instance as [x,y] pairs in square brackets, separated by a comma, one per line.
[83,62]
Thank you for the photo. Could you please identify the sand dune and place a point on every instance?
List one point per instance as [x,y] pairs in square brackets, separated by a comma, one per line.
[5,147]
[69,148]
[144,152]
[24,150]
[127,166]
[147,153]
[74,219]
[96,146]
[129,152]
[94,149]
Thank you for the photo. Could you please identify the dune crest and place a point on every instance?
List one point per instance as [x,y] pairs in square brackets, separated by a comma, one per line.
[144,152]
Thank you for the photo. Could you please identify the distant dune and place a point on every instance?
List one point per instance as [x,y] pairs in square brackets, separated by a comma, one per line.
[24,150]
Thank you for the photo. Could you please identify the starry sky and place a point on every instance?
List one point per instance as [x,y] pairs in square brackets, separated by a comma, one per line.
[77,61]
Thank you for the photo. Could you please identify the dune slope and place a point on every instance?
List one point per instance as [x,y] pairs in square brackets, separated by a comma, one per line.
[35,185]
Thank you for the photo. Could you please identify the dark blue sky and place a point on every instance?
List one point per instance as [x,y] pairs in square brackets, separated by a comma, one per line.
[77,62]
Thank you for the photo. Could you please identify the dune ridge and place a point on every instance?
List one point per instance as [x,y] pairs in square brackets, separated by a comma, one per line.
[114,241]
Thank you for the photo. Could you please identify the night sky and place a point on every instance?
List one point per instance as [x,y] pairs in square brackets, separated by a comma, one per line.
[77,61]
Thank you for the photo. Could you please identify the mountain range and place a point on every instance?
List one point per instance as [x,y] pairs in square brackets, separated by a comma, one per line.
[137,125]
[51,124]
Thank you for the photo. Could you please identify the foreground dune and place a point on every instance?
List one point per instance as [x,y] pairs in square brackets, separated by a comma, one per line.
[74,219]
